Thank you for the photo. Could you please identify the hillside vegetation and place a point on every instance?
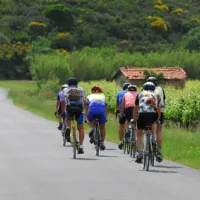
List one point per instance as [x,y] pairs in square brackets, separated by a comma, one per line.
[65,26]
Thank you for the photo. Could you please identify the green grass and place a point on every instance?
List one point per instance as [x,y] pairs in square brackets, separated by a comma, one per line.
[179,145]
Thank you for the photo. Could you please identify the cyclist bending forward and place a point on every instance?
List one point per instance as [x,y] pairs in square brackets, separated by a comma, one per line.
[96,105]
[128,104]
[146,111]
[74,100]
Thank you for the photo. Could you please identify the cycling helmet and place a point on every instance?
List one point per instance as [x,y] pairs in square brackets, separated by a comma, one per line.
[125,86]
[149,86]
[132,88]
[153,80]
[64,86]
[72,81]
[96,89]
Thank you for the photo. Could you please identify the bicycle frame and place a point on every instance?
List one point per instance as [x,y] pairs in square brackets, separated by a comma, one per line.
[148,149]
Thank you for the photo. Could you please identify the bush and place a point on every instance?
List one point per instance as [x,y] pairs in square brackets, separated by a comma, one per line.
[50,67]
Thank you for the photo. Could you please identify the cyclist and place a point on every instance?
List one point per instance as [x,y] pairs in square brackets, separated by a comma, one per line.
[58,106]
[73,99]
[128,104]
[147,110]
[96,105]
[120,114]
[159,91]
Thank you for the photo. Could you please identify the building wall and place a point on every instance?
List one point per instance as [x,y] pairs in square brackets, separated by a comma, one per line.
[120,80]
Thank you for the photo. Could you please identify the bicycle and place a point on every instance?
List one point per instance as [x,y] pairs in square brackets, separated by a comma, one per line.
[97,135]
[125,141]
[132,139]
[73,136]
[148,154]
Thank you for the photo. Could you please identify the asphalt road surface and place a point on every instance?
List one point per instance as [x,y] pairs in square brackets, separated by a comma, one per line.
[35,166]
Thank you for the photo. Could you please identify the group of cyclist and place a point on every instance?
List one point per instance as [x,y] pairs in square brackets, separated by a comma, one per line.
[145,107]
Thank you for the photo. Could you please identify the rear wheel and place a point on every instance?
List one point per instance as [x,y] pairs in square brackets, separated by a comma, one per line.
[97,140]
[74,141]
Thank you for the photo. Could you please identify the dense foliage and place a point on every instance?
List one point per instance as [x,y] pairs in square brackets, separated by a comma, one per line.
[69,25]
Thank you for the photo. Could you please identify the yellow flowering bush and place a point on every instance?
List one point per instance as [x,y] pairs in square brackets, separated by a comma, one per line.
[162,7]
[7,51]
[38,27]
[195,19]
[62,51]
[159,1]
[157,22]
[64,41]
[179,11]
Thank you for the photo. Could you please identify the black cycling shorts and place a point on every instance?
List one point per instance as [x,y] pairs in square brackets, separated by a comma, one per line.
[129,113]
[145,119]
[162,118]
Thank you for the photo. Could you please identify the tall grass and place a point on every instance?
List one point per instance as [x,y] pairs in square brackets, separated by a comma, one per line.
[95,63]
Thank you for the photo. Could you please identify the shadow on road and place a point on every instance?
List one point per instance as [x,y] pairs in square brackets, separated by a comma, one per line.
[160,171]
[89,159]
[110,149]
[168,167]
[106,156]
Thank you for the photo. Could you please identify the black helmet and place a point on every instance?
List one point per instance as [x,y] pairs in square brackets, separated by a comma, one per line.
[149,86]
[153,80]
[125,86]
[132,88]
[72,81]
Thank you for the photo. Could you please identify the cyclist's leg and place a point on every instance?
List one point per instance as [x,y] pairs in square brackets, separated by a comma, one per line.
[159,137]
[129,116]
[59,117]
[91,118]
[139,132]
[68,125]
[80,127]
[121,130]
[102,122]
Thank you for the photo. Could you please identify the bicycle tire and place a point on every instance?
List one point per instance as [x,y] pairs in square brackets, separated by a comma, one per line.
[147,156]
[124,145]
[133,151]
[97,139]
[74,141]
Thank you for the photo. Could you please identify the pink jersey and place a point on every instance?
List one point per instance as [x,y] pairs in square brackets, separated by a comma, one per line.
[129,99]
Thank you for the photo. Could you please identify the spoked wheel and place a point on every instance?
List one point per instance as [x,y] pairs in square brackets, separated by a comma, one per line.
[124,145]
[97,140]
[74,142]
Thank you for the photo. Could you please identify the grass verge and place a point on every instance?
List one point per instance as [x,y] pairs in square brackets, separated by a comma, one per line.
[179,145]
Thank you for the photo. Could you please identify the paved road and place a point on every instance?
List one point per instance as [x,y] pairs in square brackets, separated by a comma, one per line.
[35,166]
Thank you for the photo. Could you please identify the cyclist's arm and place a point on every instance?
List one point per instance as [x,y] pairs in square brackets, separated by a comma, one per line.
[117,103]
[58,102]
[158,109]
[123,105]
[136,108]
[86,106]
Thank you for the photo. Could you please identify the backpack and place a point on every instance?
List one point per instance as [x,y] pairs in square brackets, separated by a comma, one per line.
[74,94]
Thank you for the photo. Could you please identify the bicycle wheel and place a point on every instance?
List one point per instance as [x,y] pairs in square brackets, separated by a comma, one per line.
[124,145]
[74,141]
[133,151]
[64,136]
[147,156]
[97,139]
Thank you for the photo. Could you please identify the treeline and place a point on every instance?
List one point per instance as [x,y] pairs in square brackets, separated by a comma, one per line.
[68,26]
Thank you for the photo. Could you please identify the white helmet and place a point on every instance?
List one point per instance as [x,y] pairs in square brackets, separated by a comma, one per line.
[64,86]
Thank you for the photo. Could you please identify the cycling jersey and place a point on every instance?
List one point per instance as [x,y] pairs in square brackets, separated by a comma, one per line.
[147,101]
[129,99]
[97,106]
[59,97]
[161,94]
[120,96]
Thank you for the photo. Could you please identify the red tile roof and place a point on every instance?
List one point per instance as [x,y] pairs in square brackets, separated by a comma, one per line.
[168,72]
